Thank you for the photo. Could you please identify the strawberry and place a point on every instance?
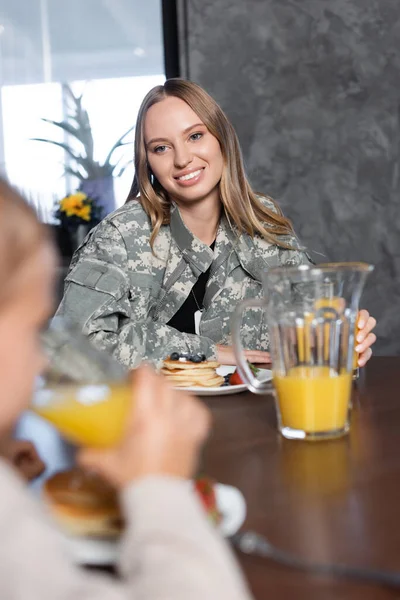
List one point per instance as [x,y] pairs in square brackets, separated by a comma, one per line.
[235,378]
[204,487]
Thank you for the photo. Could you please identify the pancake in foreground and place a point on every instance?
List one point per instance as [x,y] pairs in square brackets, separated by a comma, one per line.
[83,504]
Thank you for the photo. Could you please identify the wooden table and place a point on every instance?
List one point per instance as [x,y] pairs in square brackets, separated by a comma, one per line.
[335,501]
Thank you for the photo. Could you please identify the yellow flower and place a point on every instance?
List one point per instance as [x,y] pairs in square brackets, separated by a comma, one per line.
[66,204]
[80,196]
[84,212]
[73,204]
[77,205]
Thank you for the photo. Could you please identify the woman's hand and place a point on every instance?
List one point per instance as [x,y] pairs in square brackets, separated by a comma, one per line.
[164,435]
[23,456]
[365,338]
[226,356]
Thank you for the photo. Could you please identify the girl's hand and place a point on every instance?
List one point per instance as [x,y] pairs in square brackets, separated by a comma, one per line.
[164,434]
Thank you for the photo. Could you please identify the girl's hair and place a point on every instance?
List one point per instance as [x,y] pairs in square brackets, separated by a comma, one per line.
[244,209]
[21,235]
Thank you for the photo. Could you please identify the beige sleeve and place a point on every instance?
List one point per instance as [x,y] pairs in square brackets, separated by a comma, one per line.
[169,551]
[175,548]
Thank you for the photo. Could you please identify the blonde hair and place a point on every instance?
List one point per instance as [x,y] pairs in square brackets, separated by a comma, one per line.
[244,209]
[21,235]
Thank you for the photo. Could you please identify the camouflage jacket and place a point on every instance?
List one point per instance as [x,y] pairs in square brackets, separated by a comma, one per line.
[122,295]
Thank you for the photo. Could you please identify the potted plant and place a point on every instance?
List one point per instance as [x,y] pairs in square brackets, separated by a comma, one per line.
[96,178]
[77,214]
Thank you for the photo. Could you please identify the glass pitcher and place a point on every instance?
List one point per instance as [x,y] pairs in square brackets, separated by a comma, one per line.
[84,392]
[311,313]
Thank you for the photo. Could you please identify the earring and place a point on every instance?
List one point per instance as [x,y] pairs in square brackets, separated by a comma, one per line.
[150,174]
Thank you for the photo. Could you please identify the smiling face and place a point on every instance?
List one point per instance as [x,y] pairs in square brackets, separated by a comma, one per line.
[183,155]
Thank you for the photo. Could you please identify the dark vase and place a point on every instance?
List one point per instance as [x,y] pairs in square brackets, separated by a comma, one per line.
[62,241]
[68,239]
[102,190]
[77,235]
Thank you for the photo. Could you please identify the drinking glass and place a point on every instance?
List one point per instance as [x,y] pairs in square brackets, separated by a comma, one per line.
[84,392]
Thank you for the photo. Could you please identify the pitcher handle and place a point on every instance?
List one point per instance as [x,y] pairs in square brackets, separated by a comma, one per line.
[254,385]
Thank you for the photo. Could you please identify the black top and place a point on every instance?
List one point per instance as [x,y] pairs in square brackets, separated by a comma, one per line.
[183,320]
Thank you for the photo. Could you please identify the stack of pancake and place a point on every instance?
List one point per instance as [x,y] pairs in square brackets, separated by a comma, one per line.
[83,504]
[185,373]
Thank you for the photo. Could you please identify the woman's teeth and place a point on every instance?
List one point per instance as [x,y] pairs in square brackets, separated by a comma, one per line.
[190,175]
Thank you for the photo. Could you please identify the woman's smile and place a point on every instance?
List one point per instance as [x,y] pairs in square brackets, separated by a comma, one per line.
[190,177]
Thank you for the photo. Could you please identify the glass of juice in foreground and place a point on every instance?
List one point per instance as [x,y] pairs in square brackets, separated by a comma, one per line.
[311,314]
[83,392]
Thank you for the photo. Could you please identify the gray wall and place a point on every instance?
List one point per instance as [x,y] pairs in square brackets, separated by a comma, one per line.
[313,89]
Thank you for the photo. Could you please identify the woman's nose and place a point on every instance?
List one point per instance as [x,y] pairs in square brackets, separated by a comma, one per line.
[182,157]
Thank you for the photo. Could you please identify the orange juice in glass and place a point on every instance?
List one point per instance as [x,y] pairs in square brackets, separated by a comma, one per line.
[85,393]
[311,313]
[88,415]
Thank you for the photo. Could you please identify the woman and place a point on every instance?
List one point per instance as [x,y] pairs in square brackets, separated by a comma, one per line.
[169,550]
[165,272]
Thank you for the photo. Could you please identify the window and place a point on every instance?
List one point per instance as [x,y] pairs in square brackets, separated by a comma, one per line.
[111,50]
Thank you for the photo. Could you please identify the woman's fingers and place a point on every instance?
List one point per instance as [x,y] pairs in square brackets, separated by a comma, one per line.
[367,343]
[364,358]
[226,356]
[366,324]
[365,339]
[257,356]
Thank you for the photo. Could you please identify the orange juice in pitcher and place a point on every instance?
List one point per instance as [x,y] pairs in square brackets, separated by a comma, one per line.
[313,400]
[312,314]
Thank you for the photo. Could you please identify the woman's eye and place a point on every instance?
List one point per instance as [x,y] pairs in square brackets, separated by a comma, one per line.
[160,149]
[196,136]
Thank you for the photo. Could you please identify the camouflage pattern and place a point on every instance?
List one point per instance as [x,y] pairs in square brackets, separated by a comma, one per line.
[122,295]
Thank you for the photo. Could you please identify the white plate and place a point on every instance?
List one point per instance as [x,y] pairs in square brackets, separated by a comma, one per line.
[262,375]
[85,551]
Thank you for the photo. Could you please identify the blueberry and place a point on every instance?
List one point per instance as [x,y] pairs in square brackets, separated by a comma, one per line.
[175,356]
[203,357]
[196,358]
[227,377]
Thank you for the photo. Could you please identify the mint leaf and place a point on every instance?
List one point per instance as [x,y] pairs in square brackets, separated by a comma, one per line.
[253,368]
